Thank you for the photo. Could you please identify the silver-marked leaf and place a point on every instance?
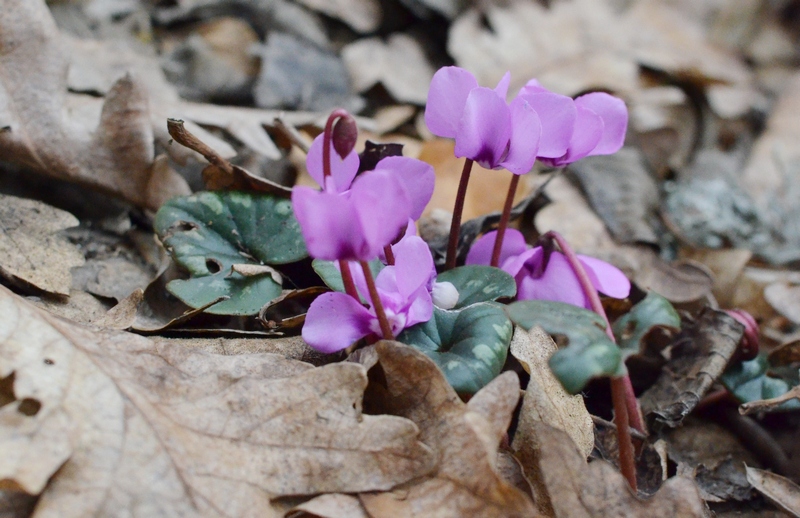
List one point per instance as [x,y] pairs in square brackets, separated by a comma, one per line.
[758,379]
[478,283]
[589,352]
[469,345]
[209,233]
[651,318]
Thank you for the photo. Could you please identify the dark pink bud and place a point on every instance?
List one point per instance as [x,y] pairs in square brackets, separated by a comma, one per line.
[344,135]
[748,346]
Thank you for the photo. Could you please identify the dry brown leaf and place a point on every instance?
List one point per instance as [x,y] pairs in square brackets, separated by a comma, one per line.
[465,438]
[399,64]
[362,15]
[31,250]
[785,298]
[81,307]
[112,152]
[334,505]
[103,421]
[546,400]
[779,490]
[577,45]
[597,490]
[727,265]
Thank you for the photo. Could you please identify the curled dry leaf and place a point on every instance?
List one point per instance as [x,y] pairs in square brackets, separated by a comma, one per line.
[464,437]
[578,490]
[699,356]
[779,490]
[101,421]
[335,505]
[361,15]
[114,154]
[31,250]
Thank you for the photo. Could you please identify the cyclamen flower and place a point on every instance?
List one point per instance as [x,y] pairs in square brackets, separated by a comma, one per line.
[403,290]
[554,280]
[599,122]
[486,128]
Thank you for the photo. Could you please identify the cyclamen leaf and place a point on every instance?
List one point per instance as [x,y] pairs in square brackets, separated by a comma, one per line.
[651,314]
[330,275]
[589,353]
[210,232]
[478,283]
[758,379]
[469,344]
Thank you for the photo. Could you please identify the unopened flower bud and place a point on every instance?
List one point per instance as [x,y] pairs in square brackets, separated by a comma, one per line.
[444,295]
[344,134]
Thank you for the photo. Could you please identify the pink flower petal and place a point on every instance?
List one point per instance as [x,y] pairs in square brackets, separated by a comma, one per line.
[606,278]
[421,308]
[327,222]
[557,114]
[342,170]
[529,259]
[558,283]
[447,96]
[416,176]
[334,321]
[383,209]
[481,251]
[502,86]
[588,131]
[485,128]
[615,120]
[526,130]
[413,264]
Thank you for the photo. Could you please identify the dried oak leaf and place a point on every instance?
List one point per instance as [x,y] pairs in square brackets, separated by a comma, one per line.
[578,490]
[102,421]
[698,357]
[779,490]
[464,437]
[113,153]
[31,249]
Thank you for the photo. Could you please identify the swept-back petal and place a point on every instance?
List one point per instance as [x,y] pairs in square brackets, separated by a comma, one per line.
[485,128]
[608,279]
[334,321]
[329,223]
[526,130]
[383,209]
[588,131]
[413,264]
[502,85]
[529,259]
[481,251]
[557,114]
[417,177]
[420,309]
[558,283]
[447,96]
[342,170]
[615,120]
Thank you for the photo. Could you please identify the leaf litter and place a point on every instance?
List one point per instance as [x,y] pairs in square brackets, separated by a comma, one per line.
[699,208]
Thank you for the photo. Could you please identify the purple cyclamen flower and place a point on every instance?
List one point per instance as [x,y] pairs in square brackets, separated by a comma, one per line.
[416,176]
[599,122]
[555,280]
[402,288]
[486,129]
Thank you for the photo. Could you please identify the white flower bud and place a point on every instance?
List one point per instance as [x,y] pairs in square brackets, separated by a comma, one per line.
[444,295]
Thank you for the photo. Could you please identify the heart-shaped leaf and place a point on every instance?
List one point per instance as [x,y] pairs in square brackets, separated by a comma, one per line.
[758,379]
[469,345]
[589,352]
[224,239]
[478,283]
[332,277]
[652,318]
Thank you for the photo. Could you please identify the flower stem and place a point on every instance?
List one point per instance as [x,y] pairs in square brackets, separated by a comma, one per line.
[347,279]
[504,218]
[622,395]
[458,208]
[387,251]
[326,141]
[386,329]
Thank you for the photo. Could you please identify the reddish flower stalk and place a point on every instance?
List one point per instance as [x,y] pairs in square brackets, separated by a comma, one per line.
[455,225]
[626,409]
[504,219]
[386,328]
[346,124]
[347,279]
[387,251]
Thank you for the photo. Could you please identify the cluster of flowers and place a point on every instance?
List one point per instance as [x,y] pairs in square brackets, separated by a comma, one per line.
[362,218]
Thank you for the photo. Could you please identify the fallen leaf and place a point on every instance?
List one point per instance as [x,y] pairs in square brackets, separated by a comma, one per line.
[113,152]
[464,437]
[31,250]
[362,15]
[576,489]
[698,357]
[399,64]
[785,298]
[779,490]
[728,266]
[103,420]
[335,505]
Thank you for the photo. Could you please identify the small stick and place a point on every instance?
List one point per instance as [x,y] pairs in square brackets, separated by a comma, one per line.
[182,136]
[386,329]
[504,218]
[455,225]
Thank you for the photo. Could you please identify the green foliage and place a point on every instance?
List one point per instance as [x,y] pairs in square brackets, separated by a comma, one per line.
[469,344]
[651,313]
[476,283]
[759,379]
[209,232]
[330,275]
[589,352]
